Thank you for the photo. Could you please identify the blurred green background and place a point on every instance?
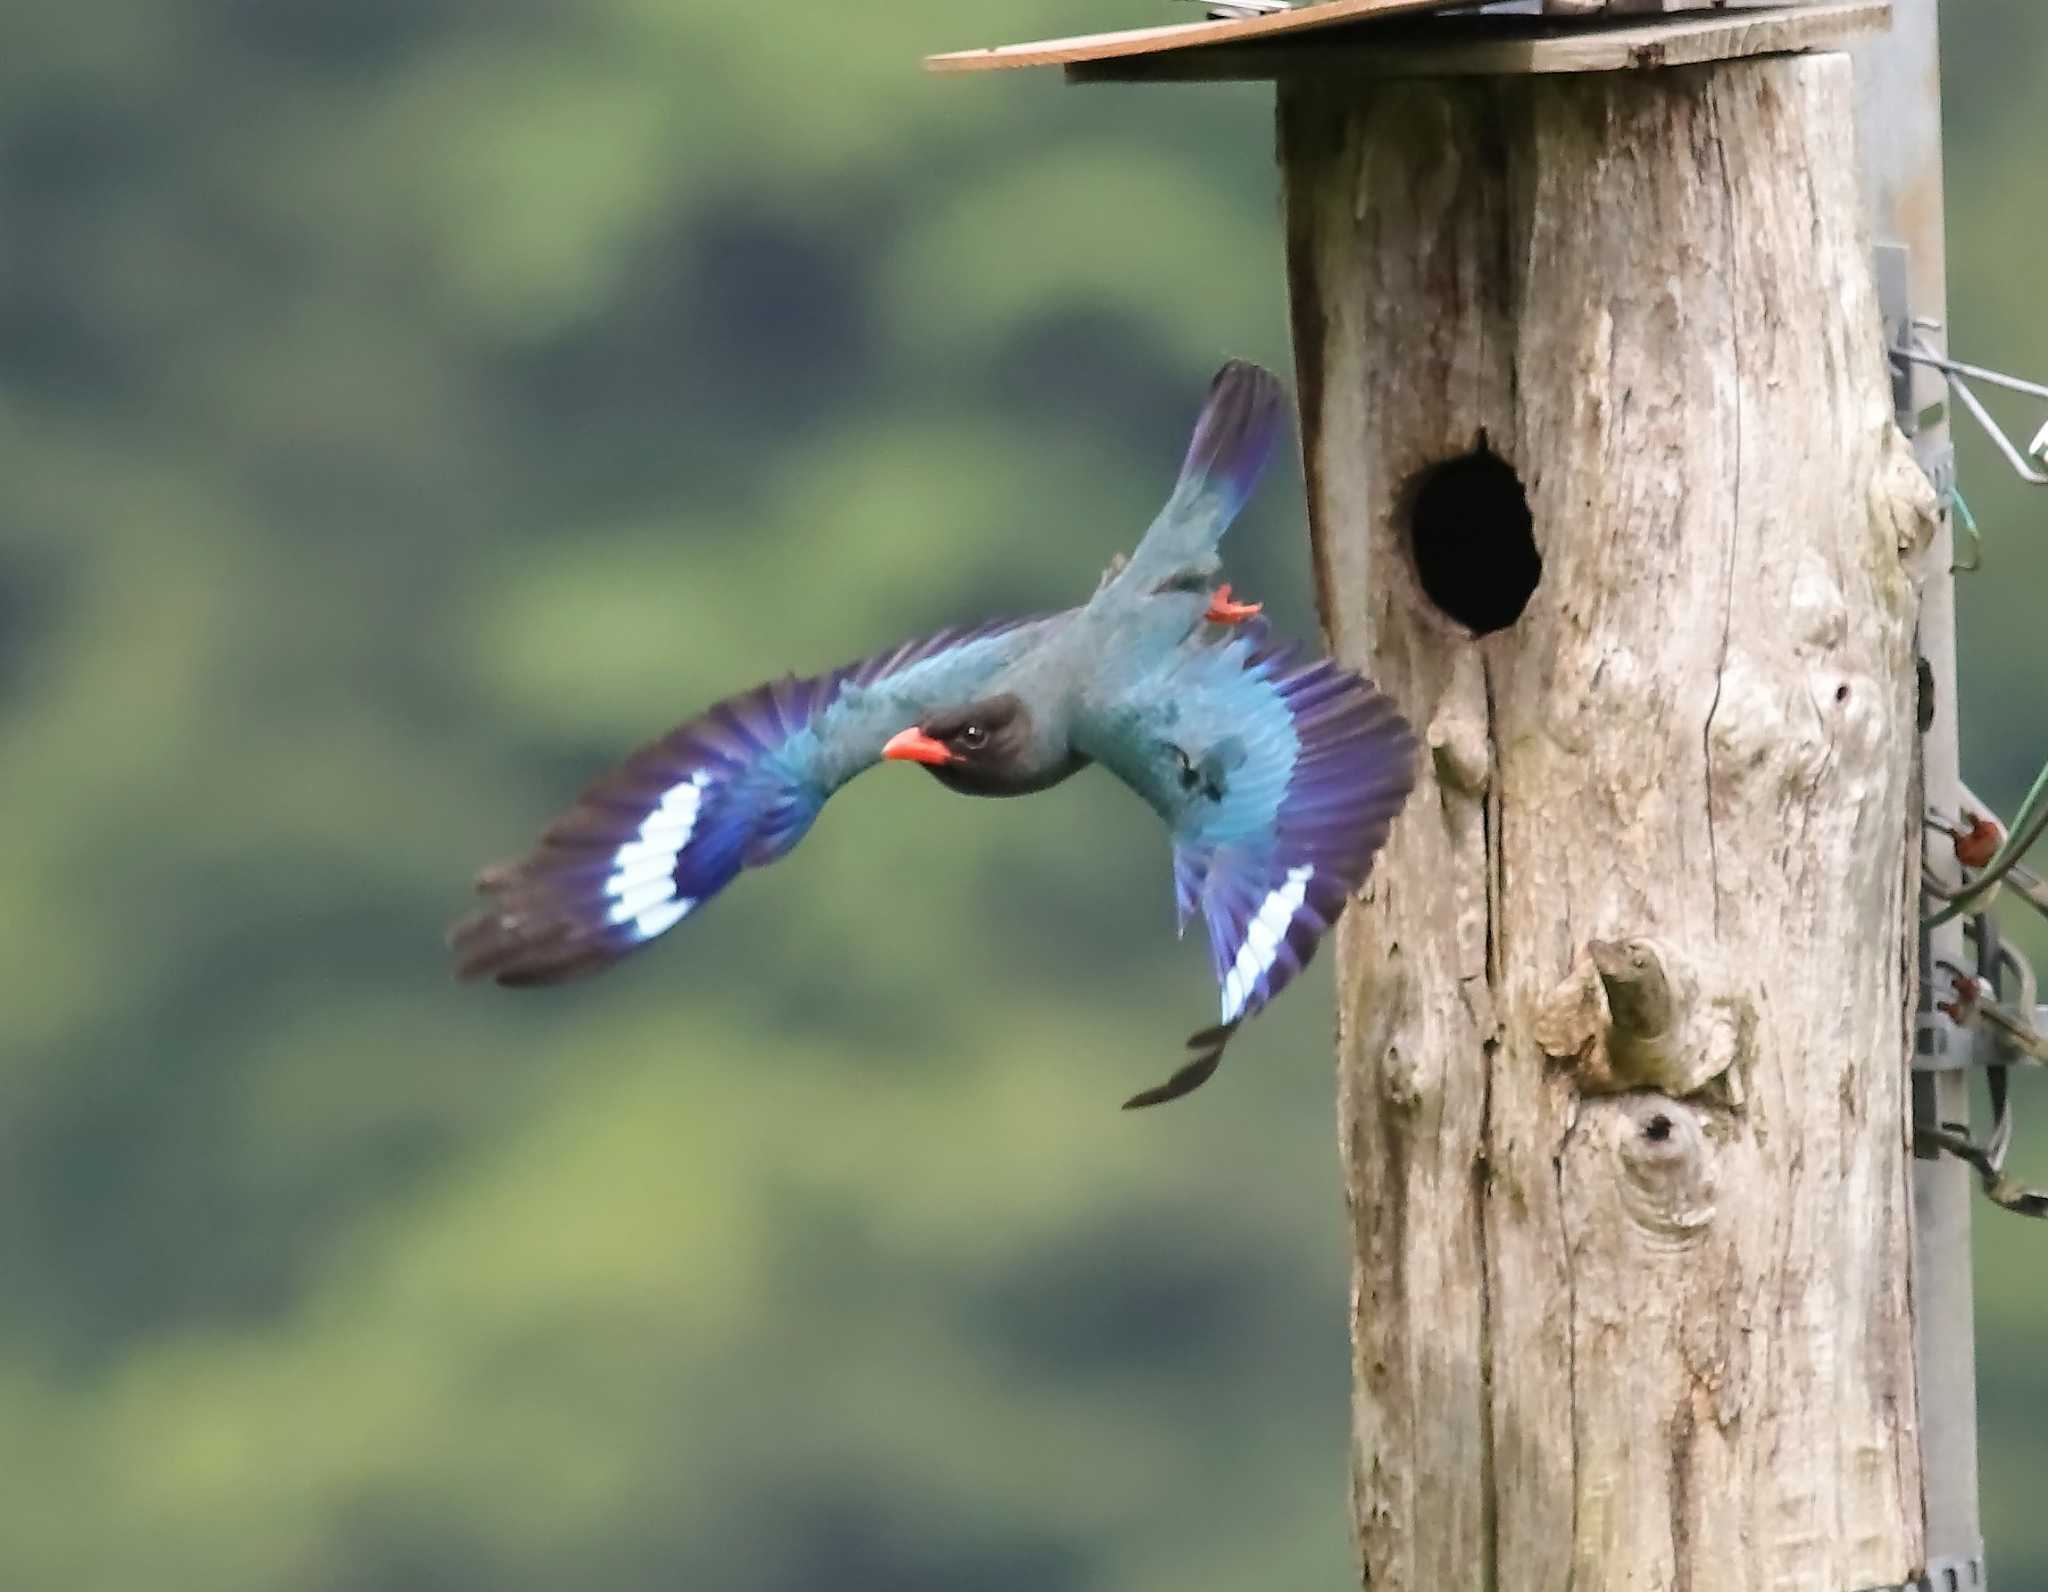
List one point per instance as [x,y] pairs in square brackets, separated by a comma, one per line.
[404,406]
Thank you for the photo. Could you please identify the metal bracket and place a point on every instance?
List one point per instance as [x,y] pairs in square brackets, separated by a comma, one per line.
[1912,351]
[1996,1036]
[1953,1574]
[1891,267]
[1905,348]
[1972,1024]
[1918,423]
[1943,1042]
[1939,1045]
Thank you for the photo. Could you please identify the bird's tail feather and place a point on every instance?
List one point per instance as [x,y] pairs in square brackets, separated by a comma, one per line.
[1233,438]
[1233,435]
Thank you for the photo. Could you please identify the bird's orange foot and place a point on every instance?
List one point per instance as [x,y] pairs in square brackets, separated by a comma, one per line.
[1222,611]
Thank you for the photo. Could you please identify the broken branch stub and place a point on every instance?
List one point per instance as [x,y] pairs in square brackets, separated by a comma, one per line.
[1634,1014]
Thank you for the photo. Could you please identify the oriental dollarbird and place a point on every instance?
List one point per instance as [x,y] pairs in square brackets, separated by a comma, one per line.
[1277,774]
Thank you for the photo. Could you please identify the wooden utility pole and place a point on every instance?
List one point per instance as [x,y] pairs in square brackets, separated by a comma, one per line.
[1605,489]
[1626,1015]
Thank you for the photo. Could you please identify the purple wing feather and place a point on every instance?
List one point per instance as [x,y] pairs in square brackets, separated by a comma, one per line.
[739,785]
[1271,877]
[1269,899]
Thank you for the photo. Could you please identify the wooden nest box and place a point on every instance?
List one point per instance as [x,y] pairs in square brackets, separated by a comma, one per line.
[1605,489]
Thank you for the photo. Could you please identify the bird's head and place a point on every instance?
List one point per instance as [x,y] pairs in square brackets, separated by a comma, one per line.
[985,748]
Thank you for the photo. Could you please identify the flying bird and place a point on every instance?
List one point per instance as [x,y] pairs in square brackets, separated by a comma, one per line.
[1276,773]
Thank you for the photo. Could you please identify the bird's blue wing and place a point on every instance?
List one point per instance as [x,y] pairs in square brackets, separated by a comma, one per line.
[1278,779]
[655,838]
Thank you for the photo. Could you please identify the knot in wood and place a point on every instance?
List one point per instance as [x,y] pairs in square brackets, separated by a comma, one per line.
[1401,1081]
[1667,1171]
[1457,745]
[1459,736]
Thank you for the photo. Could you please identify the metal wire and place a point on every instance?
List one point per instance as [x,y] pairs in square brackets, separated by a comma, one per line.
[1920,354]
[1973,1003]
[1968,522]
[2026,828]
[2001,1190]
[1955,370]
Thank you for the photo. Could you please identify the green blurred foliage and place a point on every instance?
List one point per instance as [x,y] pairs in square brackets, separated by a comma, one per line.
[404,405]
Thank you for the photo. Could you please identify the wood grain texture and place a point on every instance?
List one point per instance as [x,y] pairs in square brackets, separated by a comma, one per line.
[1501,46]
[1647,1327]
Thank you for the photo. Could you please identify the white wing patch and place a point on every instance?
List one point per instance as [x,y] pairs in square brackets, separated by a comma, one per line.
[642,881]
[664,916]
[1262,939]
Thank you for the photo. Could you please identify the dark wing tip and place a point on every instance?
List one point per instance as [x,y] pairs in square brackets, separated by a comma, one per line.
[1244,384]
[531,932]
[519,952]
[1234,435]
[1209,1043]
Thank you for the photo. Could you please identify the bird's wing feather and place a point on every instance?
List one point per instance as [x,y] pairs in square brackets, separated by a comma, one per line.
[737,786]
[1278,780]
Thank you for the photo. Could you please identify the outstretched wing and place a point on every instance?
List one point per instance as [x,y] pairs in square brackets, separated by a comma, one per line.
[1278,780]
[654,839]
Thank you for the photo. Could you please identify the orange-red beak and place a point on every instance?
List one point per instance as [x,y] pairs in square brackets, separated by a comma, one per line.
[914,746]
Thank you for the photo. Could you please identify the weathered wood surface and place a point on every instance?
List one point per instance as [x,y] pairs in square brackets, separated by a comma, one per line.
[1501,46]
[1176,35]
[1627,1314]
[1372,35]
[1579,8]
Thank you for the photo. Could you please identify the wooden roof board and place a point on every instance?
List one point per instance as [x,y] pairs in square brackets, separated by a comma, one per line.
[1298,39]
[1498,46]
[1174,36]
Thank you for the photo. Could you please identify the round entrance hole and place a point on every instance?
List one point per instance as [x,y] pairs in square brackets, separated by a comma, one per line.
[1470,531]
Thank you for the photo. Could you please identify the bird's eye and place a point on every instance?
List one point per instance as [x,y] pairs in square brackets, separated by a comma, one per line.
[972,736]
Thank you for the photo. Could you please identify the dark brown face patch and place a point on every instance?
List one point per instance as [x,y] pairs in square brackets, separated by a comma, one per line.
[971,731]
[994,752]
